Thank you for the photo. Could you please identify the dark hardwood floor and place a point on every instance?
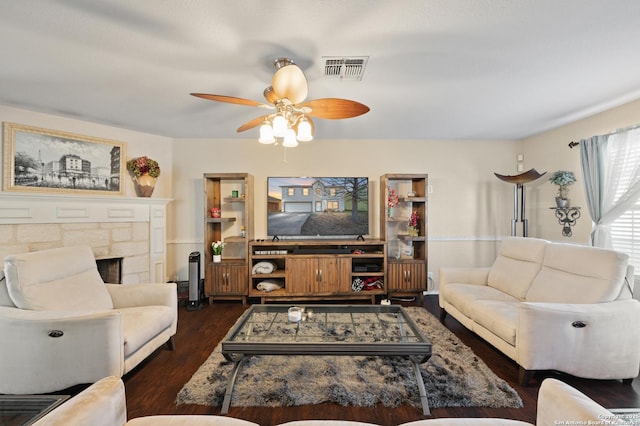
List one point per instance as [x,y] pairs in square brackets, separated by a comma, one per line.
[152,387]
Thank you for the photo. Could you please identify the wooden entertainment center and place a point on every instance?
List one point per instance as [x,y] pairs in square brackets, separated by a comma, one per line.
[322,269]
[314,269]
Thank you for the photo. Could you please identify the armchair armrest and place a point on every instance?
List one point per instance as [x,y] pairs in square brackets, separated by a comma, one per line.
[464,276]
[599,340]
[153,294]
[58,349]
[560,403]
[132,295]
[102,403]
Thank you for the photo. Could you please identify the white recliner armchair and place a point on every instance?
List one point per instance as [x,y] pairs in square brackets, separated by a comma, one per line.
[61,325]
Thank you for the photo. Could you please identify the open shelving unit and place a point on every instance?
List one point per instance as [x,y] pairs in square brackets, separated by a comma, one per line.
[228,278]
[407,254]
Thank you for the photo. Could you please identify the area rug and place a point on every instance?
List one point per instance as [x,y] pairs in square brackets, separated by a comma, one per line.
[453,377]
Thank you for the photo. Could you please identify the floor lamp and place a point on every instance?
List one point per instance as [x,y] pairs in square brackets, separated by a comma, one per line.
[518,192]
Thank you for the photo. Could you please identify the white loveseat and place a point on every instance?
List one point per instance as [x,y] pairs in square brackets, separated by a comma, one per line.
[551,306]
[61,325]
[104,403]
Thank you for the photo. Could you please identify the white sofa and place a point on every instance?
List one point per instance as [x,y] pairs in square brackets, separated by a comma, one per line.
[104,404]
[61,325]
[551,306]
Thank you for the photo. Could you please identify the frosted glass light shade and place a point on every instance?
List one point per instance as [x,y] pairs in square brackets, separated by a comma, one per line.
[290,139]
[304,131]
[266,134]
[289,82]
[279,126]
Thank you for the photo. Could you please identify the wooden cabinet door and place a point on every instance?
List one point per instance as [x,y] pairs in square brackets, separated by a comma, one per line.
[229,279]
[405,276]
[334,275]
[302,275]
[318,275]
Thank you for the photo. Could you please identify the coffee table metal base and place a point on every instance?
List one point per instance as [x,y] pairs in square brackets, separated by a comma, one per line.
[226,403]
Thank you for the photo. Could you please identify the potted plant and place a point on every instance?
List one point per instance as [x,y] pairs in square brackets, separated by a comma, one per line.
[563,179]
[216,248]
[145,171]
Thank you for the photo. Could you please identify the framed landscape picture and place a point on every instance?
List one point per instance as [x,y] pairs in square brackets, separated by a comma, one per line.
[41,160]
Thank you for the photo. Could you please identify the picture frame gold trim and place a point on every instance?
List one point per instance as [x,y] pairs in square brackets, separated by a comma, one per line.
[43,160]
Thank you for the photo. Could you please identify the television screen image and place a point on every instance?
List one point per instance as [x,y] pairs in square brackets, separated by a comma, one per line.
[317,206]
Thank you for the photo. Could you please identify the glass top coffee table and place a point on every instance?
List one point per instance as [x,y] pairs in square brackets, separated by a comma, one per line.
[352,330]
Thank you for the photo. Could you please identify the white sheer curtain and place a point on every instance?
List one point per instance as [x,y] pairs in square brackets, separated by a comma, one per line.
[611,179]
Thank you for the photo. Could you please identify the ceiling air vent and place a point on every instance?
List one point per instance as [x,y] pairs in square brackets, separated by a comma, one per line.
[351,68]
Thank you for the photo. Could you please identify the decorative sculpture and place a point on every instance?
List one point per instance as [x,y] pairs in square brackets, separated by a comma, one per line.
[519,181]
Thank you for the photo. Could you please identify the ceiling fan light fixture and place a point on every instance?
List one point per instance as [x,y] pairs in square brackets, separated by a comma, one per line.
[304,130]
[266,133]
[293,119]
[290,139]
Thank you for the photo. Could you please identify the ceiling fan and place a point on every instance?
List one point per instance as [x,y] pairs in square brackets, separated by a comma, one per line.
[292,119]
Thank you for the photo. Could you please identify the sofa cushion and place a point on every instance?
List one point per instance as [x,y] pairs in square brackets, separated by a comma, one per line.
[63,279]
[498,316]
[464,296]
[517,263]
[578,274]
[143,323]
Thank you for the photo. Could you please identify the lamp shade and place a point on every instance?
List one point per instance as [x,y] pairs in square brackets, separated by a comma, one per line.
[266,134]
[290,139]
[279,126]
[304,130]
[289,82]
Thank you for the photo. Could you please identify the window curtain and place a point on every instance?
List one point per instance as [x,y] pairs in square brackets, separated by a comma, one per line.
[611,180]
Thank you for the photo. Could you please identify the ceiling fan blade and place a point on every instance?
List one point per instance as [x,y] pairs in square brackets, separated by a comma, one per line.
[230,99]
[334,108]
[290,82]
[251,124]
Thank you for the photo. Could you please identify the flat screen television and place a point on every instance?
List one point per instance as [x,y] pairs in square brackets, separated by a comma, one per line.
[316,207]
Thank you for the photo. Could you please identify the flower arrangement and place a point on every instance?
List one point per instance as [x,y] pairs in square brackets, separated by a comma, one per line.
[413,220]
[216,248]
[562,178]
[393,200]
[141,165]
[413,224]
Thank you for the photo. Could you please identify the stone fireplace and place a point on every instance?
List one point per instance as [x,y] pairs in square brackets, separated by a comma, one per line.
[130,229]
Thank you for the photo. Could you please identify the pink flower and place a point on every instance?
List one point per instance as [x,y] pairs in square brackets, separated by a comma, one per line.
[393,198]
[415,217]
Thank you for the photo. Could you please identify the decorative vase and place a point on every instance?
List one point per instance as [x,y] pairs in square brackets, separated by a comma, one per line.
[390,212]
[562,203]
[145,185]
[217,258]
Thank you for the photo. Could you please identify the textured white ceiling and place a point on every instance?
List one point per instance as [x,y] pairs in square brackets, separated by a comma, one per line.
[453,69]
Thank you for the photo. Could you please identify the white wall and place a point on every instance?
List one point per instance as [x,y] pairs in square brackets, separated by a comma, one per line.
[469,208]
[549,151]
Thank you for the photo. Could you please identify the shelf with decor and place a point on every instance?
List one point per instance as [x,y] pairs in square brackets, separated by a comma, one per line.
[403,227]
[228,217]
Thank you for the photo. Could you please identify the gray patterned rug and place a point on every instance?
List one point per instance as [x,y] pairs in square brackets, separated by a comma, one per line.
[453,377]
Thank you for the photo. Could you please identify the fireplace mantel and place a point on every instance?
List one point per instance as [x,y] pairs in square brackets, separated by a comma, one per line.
[24,209]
